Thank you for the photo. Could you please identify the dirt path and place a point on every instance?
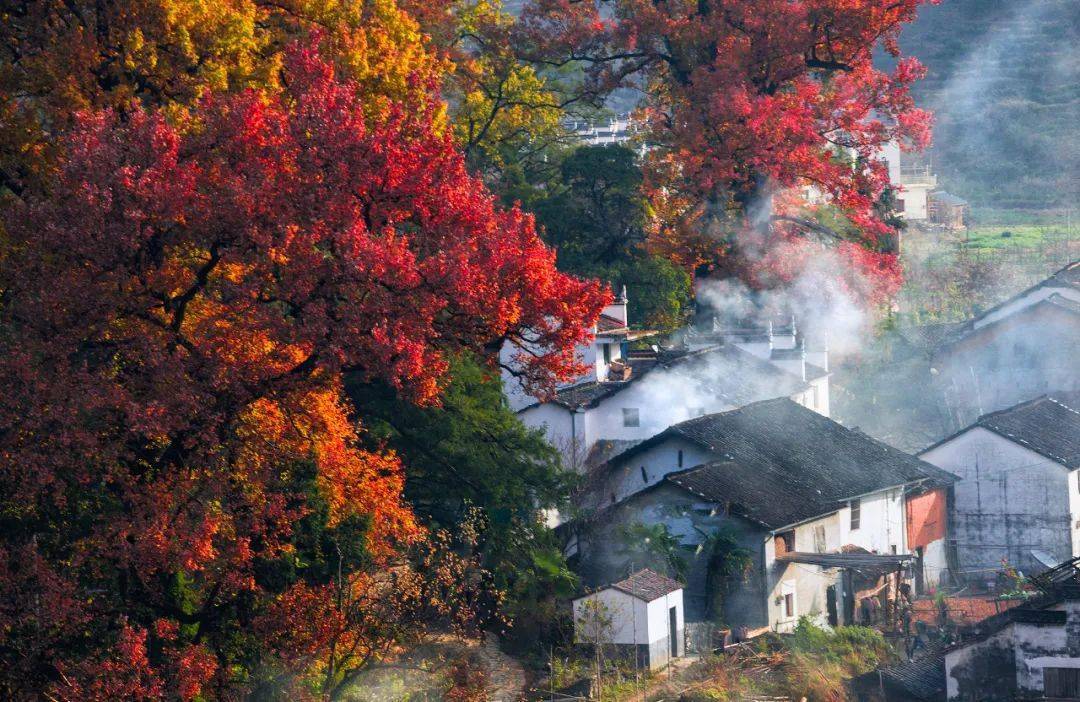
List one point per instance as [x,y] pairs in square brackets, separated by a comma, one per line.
[506,677]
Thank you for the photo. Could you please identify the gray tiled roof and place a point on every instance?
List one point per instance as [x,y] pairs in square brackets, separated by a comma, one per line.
[1044,425]
[923,679]
[782,463]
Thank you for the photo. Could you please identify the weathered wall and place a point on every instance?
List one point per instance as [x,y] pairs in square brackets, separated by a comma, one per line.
[1016,359]
[807,582]
[623,476]
[1009,501]
[982,672]
[927,522]
[604,554]
[926,517]
[1009,665]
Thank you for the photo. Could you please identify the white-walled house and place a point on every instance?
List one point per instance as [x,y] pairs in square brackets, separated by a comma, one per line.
[641,614]
[593,420]
[810,501]
[780,343]
[1024,347]
[606,357]
[1018,497]
[913,183]
[1030,652]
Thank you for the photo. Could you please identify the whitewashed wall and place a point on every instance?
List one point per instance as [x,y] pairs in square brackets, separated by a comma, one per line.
[624,475]
[633,621]
[882,524]
[1009,501]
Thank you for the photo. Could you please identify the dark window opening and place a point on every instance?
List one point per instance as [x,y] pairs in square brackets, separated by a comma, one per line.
[631,417]
[856,514]
[789,605]
[680,459]
[612,498]
[607,352]
[644,475]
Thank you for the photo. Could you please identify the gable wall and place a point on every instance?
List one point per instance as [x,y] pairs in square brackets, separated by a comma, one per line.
[1009,501]
[622,477]
[1032,353]
[626,618]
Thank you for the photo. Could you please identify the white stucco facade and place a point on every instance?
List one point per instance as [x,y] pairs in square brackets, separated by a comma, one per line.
[1009,502]
[611,616]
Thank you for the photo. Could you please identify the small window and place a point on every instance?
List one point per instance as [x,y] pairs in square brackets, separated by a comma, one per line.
[612,498]
[899,205]
[607,352]
[819,539]
[680,458]
[644,475]
[631,417]
[789,605]
[785,542]
[856,514]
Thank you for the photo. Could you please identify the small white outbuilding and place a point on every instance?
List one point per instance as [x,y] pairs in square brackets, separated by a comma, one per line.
[641,615]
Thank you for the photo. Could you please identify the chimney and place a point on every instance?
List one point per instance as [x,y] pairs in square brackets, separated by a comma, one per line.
[617,309]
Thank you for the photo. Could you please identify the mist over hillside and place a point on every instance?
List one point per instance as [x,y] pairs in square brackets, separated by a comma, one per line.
[1004,83]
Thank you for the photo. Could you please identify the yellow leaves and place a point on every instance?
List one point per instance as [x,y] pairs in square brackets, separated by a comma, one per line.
[501,103]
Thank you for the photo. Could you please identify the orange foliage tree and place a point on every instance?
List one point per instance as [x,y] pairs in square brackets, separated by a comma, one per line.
[186,508]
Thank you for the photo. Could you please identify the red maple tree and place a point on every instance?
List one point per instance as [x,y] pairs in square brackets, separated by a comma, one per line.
[178,311]
[745,99]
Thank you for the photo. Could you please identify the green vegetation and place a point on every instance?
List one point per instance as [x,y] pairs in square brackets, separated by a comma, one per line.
[821,661]
[472,456]
[593,212]
[1004,127]
[1000,236]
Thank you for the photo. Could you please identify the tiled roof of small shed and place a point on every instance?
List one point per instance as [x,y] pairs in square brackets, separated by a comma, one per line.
[647,585]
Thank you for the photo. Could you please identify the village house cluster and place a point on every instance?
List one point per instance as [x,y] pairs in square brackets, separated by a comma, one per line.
[719,500]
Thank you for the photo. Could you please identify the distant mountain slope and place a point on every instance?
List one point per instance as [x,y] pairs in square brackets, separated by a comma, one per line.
[1004,82]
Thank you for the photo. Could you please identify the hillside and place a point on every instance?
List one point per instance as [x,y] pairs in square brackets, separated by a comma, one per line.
[1004,82]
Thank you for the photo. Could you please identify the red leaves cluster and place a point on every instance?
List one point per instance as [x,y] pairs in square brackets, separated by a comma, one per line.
[178,311]
[748,97]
